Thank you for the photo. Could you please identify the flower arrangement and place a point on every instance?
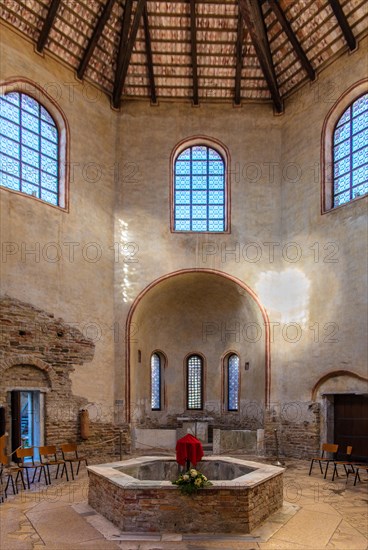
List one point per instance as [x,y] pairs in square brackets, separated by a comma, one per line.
[191,481]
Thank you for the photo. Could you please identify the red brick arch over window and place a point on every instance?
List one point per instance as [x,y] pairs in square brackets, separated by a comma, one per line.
[223,151]
[40,95]
[237,281]
[329,124]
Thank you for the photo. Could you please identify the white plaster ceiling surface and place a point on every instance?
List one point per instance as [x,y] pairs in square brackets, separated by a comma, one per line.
[192,50]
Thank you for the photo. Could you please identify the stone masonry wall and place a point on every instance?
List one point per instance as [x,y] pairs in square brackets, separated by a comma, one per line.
[298,429]
[39,352]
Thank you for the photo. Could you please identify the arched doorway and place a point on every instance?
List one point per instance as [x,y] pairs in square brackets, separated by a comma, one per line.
[24,386]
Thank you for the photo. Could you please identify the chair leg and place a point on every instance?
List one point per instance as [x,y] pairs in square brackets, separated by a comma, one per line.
[71,469]
[311,466]
[10,478]
[335,472]
[43,469]
[327,464]
[64,468]
[20,473]
[34,474]
[357,476]
[57,471]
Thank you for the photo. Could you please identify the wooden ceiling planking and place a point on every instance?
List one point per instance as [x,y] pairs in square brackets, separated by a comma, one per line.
[224,71]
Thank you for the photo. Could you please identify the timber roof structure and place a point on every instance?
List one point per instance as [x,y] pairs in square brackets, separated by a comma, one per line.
[192,50]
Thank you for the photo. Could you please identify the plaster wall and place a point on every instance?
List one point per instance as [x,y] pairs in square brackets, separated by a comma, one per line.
[120,193]
[73,277]
[332,246]
[147,137]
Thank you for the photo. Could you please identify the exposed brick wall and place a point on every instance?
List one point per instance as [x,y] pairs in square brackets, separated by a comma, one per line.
[298,429]
[211,510]
[38,351]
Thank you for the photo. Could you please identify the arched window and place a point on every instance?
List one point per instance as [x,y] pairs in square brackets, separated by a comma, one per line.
[350,153]
[232,382]
[344,166]
[29,148]
[199,190]
[156,381]
[195,382]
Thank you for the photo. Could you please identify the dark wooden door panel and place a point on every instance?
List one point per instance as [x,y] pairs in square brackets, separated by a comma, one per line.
[351,422]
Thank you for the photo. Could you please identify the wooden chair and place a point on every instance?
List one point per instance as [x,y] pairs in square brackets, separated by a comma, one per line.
[28,452]
[70,454]
[7,472]
[343,460]
[48,457]
[326,448]
[357,468]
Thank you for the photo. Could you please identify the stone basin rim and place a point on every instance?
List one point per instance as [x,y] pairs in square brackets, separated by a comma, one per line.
[261,472]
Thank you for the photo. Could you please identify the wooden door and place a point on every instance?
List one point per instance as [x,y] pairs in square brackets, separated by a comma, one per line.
[351,423]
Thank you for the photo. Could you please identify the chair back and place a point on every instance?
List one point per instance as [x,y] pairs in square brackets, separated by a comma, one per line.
[27,452]
[69,448]
[47,452]
[329,448]
[3,457]
[349,450]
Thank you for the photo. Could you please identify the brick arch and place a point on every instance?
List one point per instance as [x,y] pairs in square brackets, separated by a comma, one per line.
[28,87]
[177,273]
[20,360]
[335,374]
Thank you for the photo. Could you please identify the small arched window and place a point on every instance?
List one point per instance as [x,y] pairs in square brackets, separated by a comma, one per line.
[29,148]
[195,382]
[156,382]
[232,382]
[350,153]
[199,190]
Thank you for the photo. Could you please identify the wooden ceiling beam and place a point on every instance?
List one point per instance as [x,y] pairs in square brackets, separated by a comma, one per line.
[151,74]
[193,36]
[343,22]
[293,39]
[127,40]
[239,59]
[252,15]
[97,31]
[124,34]
[46,28]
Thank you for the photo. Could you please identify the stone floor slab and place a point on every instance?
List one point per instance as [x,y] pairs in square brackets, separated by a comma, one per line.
[62,526]
[322,515]
[345,537]
[312,528]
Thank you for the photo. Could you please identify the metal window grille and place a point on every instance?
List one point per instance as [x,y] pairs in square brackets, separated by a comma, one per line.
[350,153]
[233,383]
[199,190]
[194,383]
[155,382]
[29,148]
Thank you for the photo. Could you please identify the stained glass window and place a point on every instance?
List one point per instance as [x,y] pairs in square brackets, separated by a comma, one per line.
[155,382]
[350,153]
[194,382]
[233,383]
[29,148]
[199,190]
